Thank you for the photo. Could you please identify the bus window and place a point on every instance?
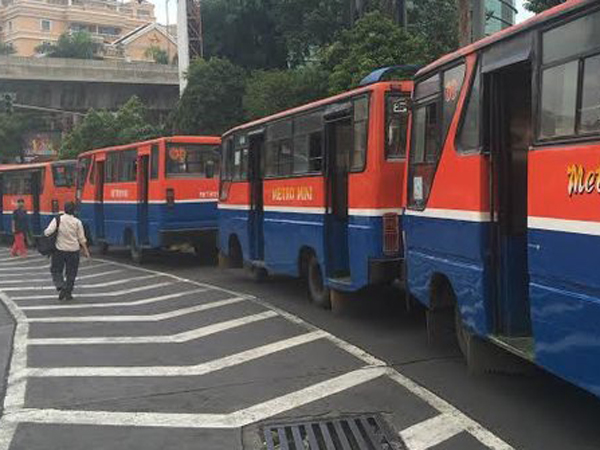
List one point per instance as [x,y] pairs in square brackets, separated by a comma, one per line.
[559,100]
[154,162]
[127,166]
[574,38]
[112,167]
[426,138]
[83,167]
[308,151]
[185,160]
[590,102]
[469,136]
[396,123]
[279,159]
[453,82]
[63,174]
[361,127]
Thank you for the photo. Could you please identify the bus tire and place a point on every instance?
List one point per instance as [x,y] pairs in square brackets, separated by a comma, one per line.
[319,294]
[135,251]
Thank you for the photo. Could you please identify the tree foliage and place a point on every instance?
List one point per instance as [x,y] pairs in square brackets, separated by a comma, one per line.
[375,41]
[104,129]
[7,49]
[244,32]
[157,54]
[78,45]
[269,92]
[537,6]
[439,30]
[212,101]
[13,128]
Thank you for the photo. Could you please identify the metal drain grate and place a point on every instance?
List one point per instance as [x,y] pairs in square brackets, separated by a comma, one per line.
[366,432]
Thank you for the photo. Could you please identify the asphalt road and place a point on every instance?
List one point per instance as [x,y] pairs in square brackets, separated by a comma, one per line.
[178,355]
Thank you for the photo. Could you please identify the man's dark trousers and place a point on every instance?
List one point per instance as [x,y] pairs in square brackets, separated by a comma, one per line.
[60,261]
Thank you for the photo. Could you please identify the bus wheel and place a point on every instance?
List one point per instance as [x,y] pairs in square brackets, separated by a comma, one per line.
[320,294]
[136,252]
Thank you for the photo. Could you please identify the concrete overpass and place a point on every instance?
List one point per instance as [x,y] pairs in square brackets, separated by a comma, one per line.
[78,85]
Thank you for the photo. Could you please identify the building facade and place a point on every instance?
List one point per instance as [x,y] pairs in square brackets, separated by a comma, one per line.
[27,24]
[500,14]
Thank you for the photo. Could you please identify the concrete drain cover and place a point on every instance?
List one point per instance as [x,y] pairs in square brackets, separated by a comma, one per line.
[364,432]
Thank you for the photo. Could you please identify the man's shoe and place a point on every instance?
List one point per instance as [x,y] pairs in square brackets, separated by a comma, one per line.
[62,294]
[68,297]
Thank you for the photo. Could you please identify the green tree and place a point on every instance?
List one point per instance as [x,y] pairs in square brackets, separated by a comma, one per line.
[537,6]
[13,128]
[244,32]
[7,49]
[157,54]
[104,129]
[268,92]
[375,41]
[78,45]
[307,25]
[439,30]
[212,101]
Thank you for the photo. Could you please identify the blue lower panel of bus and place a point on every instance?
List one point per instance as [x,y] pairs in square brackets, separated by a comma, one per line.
[162,220]
[287,234]
[44,221]
[565,301]
[454,249]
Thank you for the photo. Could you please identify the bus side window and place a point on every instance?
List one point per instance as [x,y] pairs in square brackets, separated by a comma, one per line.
[154,162]
[110,174]
[360,130]
[308,143]
[396,124]
[468,139]
[128,166]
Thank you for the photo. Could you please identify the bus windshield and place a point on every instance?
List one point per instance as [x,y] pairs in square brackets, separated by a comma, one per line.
[64,175]
[199,160]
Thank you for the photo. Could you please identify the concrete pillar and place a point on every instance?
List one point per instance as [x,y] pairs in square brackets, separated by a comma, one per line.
[183,43]
[479,16]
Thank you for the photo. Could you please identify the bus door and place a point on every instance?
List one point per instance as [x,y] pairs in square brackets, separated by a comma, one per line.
[338,132]
[36,190]
[99,198]
[509,128]
[255,176]
[143,197]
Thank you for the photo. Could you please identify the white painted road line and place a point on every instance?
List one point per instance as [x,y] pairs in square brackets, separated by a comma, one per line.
[256,413]
[82,286]
[432,432]
[178,371]
[145,301]
[178,338]
[48,278]
[99,294]
[140,317]
[18,270]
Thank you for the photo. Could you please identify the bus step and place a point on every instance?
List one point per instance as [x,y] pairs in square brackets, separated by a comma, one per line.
[520,346]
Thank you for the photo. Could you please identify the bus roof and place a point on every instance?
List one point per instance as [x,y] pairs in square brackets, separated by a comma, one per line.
[403,85]
[173,139]
[546,16]
[13,167]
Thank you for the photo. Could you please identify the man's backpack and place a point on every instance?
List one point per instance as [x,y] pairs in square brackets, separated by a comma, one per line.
[46,245]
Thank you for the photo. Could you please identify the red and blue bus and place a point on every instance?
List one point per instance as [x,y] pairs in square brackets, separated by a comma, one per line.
[315,191]
[502,226]
[44,187]
[152,195]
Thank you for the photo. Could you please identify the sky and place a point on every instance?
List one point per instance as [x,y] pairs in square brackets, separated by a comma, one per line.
[161,12]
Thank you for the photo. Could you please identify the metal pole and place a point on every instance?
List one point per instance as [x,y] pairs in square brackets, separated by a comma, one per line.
[183,43]
[464,22]
[168,32]
[479,19]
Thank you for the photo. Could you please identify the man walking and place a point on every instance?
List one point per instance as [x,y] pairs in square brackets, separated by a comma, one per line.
[70,239]
[20,228]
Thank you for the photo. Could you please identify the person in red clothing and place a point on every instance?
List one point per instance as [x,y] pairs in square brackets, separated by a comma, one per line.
[20,228]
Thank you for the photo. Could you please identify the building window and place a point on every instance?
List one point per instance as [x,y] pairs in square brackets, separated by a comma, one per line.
[46,25]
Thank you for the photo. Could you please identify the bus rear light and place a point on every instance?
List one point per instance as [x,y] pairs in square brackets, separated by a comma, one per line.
[170,197]
[391,234]
[55,206]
